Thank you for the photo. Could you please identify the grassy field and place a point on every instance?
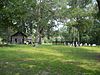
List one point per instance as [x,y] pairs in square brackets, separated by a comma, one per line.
[49,60]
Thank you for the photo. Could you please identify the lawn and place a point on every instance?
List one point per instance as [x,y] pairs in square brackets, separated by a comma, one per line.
[49,60]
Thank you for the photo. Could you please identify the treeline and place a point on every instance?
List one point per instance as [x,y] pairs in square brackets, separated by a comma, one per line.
[40,18]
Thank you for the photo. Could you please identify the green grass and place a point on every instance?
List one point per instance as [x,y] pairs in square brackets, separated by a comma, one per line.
[49,60]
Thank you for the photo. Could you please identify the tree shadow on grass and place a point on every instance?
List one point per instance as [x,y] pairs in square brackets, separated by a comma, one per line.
[37,63]
[78,53]
[13,45]
[43,67]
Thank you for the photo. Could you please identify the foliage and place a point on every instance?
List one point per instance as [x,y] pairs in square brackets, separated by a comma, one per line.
[79,18]
[95,31]
[38,18]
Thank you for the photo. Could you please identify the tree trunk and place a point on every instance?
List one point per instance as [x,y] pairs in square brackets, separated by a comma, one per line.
[79,39]
[40,39]
[98,1]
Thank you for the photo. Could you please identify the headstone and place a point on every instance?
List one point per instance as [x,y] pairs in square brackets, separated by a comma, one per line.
[93,44]
[26,43]
[77,44]
[85,44]
[81,44]
[89,44]
[68,44]
[71,45]
[64,43]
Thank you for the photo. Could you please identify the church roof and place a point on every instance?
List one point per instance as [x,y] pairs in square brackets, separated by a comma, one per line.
[19,34]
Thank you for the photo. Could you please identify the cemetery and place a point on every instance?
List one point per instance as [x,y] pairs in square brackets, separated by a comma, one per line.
[49,37]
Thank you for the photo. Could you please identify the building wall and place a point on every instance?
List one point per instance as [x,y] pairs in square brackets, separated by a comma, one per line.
[18,39]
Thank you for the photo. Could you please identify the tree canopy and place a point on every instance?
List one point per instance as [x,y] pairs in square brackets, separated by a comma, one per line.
[39,18]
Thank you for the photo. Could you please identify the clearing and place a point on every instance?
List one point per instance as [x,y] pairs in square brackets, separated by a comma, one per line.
[49,60]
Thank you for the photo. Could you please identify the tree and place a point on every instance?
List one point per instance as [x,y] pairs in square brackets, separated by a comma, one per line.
[94,32]
[78,17]
[98,1]
[44,17]
[37,17]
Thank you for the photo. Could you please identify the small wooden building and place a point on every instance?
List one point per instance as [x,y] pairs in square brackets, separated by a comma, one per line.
[18,38]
